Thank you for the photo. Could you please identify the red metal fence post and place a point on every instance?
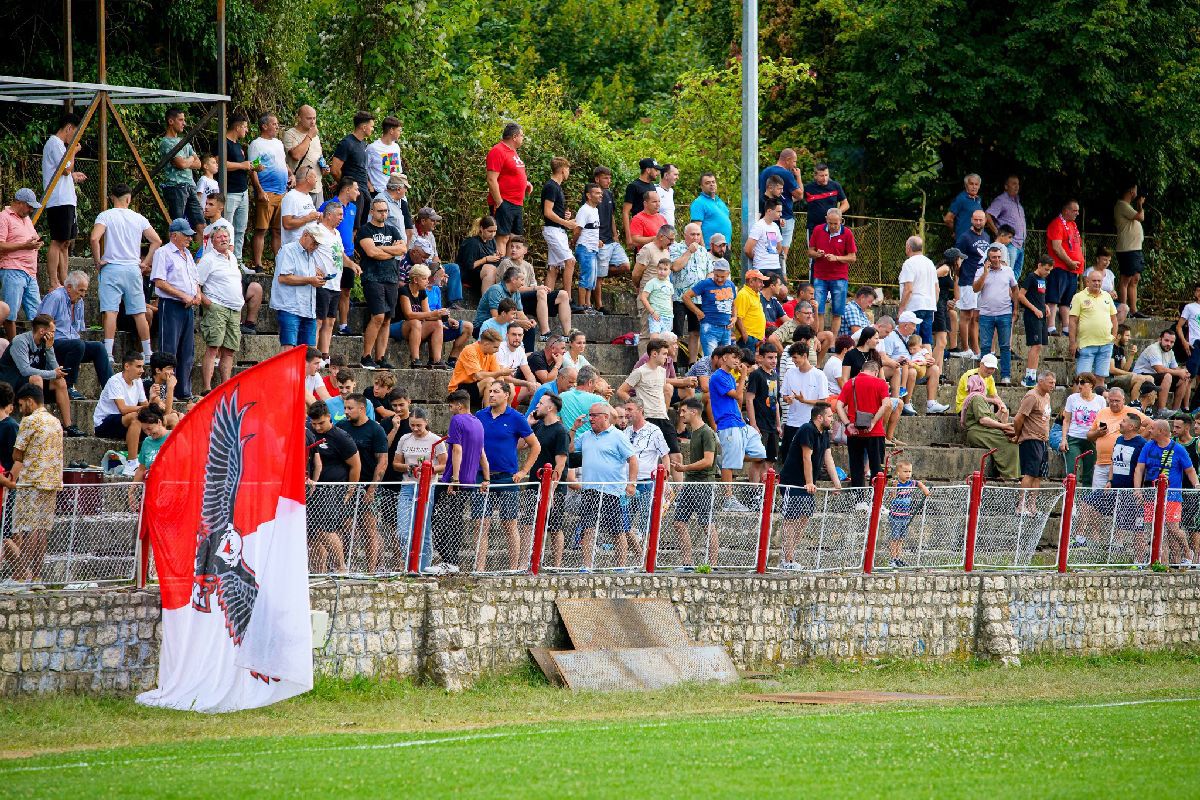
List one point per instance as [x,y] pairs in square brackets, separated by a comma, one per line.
[1160,518]
[878,485]
[545,495]
[1064,535]
[656,504]
[973,519]
[143,542]
[424,483]
[764,526]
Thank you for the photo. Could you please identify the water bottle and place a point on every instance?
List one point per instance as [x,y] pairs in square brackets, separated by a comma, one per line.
[322,163]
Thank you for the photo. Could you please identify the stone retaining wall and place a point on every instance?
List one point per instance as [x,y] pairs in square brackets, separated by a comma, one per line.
[453,631]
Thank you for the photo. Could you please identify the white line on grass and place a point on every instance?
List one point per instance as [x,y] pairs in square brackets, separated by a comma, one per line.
[1142,702]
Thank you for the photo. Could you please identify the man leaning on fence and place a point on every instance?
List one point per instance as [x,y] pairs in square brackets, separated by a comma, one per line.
[610,471]
[809,454]
[37,470]
[335,461]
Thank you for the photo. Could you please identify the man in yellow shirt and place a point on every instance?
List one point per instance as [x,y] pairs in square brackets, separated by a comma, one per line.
[1093,327]
[750,320]
[987,371]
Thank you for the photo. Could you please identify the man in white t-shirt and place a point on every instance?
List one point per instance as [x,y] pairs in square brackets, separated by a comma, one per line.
[919,286]
[649,381]
[297,209]
[1187,330]
[221,280]
[60,205]
[512,356]
[121,264]
[800,389]
[120,401]
[383,156]
[762,246]
[666,192]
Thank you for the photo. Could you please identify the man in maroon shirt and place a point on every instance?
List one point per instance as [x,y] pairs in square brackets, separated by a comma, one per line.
[507,186]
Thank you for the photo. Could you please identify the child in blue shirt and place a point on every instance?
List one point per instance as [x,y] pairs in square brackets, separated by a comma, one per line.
[901,509]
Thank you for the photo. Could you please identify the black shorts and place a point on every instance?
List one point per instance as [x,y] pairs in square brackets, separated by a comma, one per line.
[111,427]
[1156,377]
[380,297]
[941,319]
[348,277]
[770,440]
[695,500]
[64,226]
[798,503]
[1061,287]
[1131,262]
[327,507]
[1035,329]
[1033,458]
[476,399]
[668,432]
[502,499]
[327,303]
[608,513]
[510,219]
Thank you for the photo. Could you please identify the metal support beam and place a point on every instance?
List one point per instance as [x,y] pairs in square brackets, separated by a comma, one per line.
[222,127]
[72,148]
[749,116]
[184,140]
[141,165]
[102,76]
[68,30]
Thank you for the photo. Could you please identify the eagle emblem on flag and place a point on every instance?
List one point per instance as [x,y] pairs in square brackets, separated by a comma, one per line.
[220,567]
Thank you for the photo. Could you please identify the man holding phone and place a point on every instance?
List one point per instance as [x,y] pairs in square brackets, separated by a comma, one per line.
[996,289]
[1104,432]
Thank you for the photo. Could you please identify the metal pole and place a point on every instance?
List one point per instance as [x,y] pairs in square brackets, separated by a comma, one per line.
[102,77]
[222,170]
[70,56]
[749,116]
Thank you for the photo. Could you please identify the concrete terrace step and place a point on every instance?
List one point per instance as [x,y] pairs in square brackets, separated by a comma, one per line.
[949,465]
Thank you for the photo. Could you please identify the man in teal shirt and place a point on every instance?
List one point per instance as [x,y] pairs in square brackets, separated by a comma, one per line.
[178,184]
[710,211]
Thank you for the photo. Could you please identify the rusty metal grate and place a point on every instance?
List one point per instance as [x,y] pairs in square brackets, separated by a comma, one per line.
[615,623]
[643,667]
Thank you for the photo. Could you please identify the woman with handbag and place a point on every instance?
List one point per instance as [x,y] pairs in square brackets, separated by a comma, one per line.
[862,407]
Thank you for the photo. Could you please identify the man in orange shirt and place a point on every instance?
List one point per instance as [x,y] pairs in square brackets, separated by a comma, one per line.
[1104,432]
[477,367]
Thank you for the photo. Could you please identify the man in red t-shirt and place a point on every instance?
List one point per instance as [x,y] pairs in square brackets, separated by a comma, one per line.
[1066,248]
[507,186]
[832,248]
[643,227]
[869,393]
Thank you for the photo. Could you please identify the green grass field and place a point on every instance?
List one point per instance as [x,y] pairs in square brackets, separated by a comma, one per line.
[1102,727]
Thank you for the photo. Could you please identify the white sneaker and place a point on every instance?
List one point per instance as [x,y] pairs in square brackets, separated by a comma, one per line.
[434,569]
[863,506]
[1185,563]
[449,569]
[908,409]
[789,566]
[732,504]
[934,407]
[1079,541]
[976,356]
[962,354]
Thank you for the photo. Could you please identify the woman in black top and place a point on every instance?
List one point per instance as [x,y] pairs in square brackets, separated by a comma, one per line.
[477,254]
[945,317]
[858,355]
[419,322]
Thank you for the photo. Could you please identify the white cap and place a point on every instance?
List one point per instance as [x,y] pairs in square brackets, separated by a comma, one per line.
[990,361]
[909,317]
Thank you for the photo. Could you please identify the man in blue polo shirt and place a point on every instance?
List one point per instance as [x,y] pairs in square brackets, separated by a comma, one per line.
[711,211]
[610,469]
[503,429]
[784,169]
[739,442]
[966,203]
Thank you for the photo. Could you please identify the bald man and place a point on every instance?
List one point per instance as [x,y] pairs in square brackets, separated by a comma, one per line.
[786,170]
[302,144]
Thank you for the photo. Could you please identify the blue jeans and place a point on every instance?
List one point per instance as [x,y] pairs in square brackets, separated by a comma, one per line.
[454,291]
[294,329]
[20,292]
[1094,359]
[404,520]
[1017,256]
[834,290]
[1002,326]
[177,336]
[237,211]
[70,353]
[926,326]
[182,203]
[712,337]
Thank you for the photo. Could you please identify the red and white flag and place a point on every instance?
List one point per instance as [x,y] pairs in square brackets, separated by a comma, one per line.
[225,518]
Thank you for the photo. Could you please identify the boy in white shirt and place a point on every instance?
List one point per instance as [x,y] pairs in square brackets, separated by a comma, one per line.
[762,246]
[587,244]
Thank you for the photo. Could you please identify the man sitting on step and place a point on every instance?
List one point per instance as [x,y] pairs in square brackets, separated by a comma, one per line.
[65,305]
[30,360]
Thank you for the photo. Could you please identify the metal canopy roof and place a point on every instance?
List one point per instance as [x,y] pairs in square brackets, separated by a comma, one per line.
[57,93]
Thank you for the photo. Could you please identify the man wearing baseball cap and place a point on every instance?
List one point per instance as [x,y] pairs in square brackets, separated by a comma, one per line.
[422,235]
[19,245]
[635,194]
[919,365]
[176,282]
[716,313]
[986,370]
[399,216]
[748,311]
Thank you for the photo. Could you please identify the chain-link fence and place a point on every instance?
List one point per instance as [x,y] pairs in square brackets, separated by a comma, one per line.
[919,532]
[821,532]
[1111,527]
[1012,522]
[1181,528]
[484,530]
[359,528]
[80,534]
[710,524]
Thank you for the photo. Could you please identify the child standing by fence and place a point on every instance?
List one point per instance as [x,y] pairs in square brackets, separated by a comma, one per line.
[901,508]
